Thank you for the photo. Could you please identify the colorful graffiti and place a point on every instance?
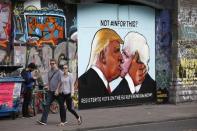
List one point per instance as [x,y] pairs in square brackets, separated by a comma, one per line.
[187,65]
[5,24]
[19,26]
[45,29]
[37,25]
[19,55]
[6,94]
[39,34]
[187,44]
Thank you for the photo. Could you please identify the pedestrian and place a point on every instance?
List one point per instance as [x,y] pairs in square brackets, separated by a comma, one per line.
[54,77]
[66,92]
[27,88]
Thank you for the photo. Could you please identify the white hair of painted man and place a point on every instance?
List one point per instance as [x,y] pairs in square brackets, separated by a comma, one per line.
[137,42]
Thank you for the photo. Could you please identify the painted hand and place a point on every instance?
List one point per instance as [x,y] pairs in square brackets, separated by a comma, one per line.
[137,70]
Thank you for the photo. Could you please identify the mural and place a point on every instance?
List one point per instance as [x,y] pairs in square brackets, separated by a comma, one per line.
[5,24]
[5,32]
[41,27]
[19,23]
[45,30]
[187,68]
[116,44]
[20,55]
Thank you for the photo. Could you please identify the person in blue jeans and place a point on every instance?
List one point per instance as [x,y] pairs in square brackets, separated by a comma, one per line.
[27,87]
[54,77]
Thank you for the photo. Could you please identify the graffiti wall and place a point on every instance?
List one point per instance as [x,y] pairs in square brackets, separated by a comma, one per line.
[41,30]
[186,66]
[163,55]
[187,20]
[5,31]
[114,45]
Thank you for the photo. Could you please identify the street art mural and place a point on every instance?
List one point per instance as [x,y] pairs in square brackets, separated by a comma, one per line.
[20,55]
[163,55]
[5,32]
[44,30]
[186,65]
[19,23]
[37,26]
[41,27]
[187,68]
[5,24]
[115,45]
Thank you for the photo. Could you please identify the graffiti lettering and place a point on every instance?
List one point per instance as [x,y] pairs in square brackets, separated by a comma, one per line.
[187,22]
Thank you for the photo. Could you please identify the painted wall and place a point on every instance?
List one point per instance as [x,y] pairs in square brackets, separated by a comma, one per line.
[5,32]
[163,55]
[185,81]
[122,19]
[41,32]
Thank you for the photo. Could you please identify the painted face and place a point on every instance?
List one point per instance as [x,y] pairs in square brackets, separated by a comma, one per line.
[126,61]
[113,60]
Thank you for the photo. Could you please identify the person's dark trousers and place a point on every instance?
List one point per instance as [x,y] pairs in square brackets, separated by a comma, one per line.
[26,102]
[50,98]
[61,100]
[69,104]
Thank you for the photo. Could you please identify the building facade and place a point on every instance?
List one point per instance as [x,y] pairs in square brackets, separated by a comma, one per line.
[38,30]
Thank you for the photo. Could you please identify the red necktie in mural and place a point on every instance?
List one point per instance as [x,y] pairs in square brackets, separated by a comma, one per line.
[108,89]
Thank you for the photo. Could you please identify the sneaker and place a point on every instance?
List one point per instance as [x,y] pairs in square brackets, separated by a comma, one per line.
[79,120]
[62,123]
[41,123]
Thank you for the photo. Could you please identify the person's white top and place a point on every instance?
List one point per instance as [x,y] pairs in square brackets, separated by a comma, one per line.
[66,84]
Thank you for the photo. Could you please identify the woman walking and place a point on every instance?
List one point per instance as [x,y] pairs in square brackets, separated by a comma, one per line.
[66,91]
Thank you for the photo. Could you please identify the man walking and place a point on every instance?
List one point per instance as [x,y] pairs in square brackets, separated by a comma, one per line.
[54,77]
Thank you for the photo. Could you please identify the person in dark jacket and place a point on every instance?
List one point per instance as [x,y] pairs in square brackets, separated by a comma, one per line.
[27,87]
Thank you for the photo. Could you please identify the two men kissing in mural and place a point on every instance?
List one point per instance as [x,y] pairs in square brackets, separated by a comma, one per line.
[106,64]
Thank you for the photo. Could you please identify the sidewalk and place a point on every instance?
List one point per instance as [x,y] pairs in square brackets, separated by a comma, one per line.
[108,117]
